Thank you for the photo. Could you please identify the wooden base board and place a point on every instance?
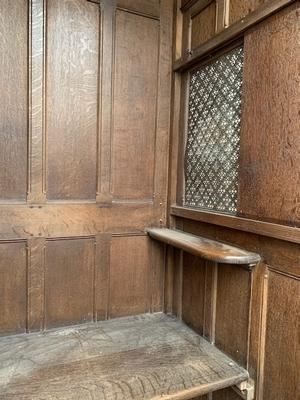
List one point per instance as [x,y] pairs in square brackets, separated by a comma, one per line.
[144,357]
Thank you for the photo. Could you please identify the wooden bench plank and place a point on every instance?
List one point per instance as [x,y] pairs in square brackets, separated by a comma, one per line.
[205,248]
[147,357]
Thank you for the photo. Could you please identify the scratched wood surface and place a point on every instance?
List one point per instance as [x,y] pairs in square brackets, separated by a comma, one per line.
[143,357]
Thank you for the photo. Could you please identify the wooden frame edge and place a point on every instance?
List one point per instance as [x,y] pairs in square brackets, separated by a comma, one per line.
[230,33]
[282,232]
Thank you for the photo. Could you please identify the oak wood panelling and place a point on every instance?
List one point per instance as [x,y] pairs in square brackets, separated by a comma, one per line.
[36,283]
[134,109]
[69,281]
[239,9]
[193,291]
[13,271]
[129,276]
[270,145]
[147,7]
[64,220]
[37,76]
[13,103]
[203,25]
[232,312]
[72,98]
[282,351]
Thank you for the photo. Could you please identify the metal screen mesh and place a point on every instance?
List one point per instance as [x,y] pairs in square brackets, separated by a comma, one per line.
[212,149]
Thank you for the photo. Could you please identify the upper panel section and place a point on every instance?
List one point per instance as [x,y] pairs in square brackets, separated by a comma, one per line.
[13,103]
[71,98]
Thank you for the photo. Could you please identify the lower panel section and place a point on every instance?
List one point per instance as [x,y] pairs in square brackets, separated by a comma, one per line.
[13,266]
[69,281]
[129,276]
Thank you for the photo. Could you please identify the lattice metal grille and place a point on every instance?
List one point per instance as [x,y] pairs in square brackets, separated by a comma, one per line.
[212,149]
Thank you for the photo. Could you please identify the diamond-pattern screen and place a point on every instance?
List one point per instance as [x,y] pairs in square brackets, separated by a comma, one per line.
[212,148]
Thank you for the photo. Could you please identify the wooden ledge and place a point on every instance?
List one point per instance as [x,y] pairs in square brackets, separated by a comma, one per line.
[205,248]
[153,357]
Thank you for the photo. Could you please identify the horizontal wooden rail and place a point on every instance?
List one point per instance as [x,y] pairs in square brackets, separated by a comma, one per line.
[287,233]
[205,248]
[229,34]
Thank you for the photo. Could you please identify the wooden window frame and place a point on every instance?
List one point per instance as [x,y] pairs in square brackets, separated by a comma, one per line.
[223,41]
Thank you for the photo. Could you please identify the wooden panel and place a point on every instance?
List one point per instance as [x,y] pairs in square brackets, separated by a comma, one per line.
[69,275]
[193,291]
[203,25]
[271,95]
[135,92]
[129,276]
[239,9]
[13,103]
[36,283]
[72,91]
[13,265]
[150,7]
[282,351]
[232,314]
[61,220]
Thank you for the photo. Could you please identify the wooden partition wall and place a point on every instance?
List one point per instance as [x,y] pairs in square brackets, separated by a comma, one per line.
[251,314]
[84,131]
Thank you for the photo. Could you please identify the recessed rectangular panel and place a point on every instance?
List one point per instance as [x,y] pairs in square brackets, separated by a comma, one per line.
[13,280]
[269,178]
[193,291]
[239,9]
[13,102]
[282,349]
[134,108]
[71,97]
[232,313]
[69,281]
[129,276]
[203,25]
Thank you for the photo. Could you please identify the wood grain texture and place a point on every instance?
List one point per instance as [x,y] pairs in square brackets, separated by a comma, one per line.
[129,276]
[102,275]
[193,292]
[13,276]
[234,31]
[13,103]
[64,220]
[134,109]
[108,12]
[282,352]
[36,283]
[146,7]
[203,247]
[203,25]
[72,96]
[36,173]
[147,358]
[239,9]
[278,231]
[271,92]
[69,286]
[232,312]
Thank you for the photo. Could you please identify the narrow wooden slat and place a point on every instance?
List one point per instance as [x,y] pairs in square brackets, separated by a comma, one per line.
[288,233]
[231,33]
[153,357]
[205,248]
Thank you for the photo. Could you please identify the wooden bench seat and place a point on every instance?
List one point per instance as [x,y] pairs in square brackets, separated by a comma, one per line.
[148,357]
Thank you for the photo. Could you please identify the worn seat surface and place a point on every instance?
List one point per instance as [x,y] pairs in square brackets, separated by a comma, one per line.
[144,357]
